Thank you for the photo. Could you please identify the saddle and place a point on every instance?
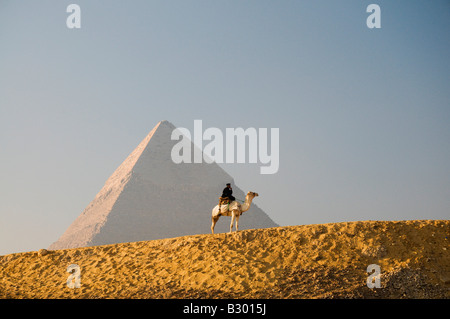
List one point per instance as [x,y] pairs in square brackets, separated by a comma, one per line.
[224,200]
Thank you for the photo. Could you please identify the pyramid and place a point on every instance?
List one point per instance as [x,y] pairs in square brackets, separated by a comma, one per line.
[150,197]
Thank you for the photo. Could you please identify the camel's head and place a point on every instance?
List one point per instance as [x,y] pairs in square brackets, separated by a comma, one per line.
[252,194]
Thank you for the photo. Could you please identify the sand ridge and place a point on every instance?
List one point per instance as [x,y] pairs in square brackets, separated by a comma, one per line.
[308,261]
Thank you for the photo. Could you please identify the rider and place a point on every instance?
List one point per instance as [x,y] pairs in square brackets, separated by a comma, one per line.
[228,192]
[227,196]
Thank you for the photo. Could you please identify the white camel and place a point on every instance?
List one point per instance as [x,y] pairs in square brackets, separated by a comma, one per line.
[235,210]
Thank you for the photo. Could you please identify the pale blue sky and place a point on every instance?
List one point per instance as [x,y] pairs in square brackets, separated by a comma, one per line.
[363,114]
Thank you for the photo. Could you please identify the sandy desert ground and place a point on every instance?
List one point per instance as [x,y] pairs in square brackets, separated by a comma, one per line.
[309,261]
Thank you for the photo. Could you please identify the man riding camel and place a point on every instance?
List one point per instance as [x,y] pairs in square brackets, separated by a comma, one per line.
[227,196]
[228,192]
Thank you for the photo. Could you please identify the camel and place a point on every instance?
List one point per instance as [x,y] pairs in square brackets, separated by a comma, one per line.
[235,210]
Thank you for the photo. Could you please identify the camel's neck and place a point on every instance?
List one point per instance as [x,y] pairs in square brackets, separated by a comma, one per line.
[246,206]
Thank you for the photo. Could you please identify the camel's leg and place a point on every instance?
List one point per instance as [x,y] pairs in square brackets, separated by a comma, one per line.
[233,216]
[237,222]
[214,221]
